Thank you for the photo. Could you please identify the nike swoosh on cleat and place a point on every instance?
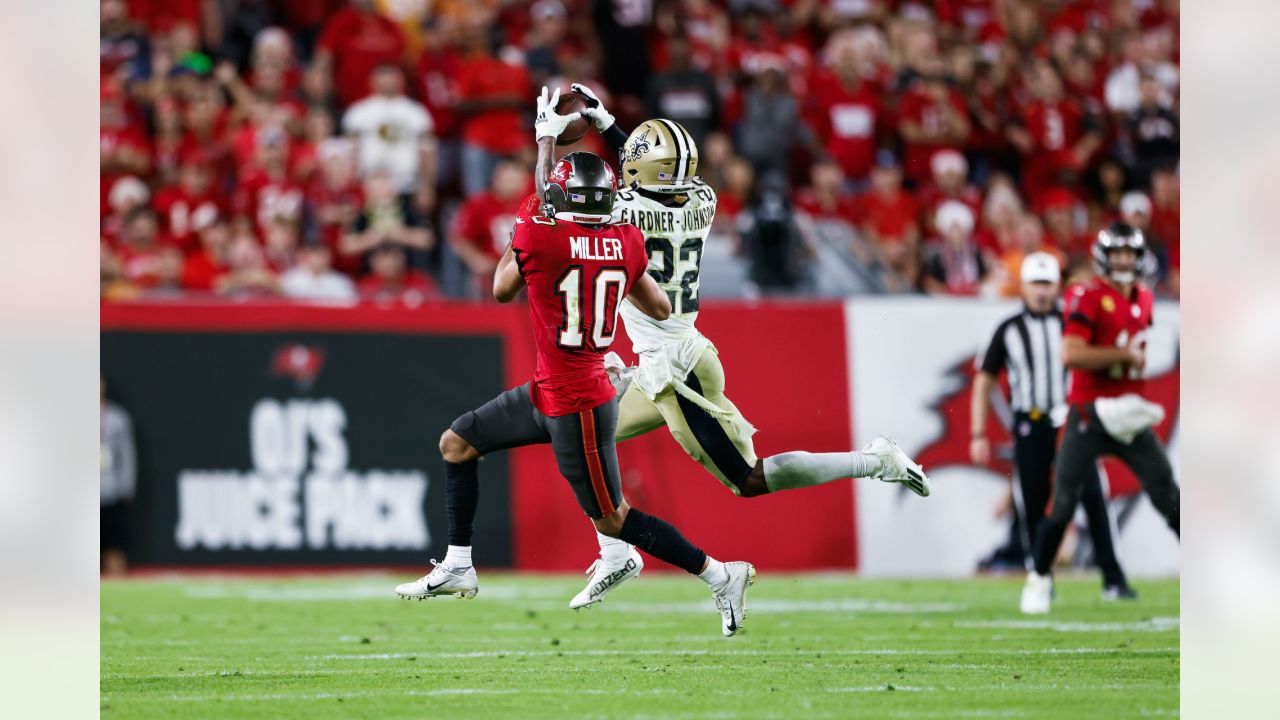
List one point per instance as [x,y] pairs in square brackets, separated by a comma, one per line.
[733,624]
[433,588]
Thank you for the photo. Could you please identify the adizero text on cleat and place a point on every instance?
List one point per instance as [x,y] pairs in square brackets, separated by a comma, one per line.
[605,578]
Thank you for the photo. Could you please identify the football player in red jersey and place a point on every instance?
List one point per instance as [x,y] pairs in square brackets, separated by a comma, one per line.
[1104,344]
[578,268]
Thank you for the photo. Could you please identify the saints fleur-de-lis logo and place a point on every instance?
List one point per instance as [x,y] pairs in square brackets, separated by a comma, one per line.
[640,145]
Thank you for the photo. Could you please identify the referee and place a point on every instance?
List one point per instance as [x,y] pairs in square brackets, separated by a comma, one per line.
[1029,346]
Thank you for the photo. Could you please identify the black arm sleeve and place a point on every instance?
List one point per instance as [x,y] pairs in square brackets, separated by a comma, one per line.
[616,137]
[993,361]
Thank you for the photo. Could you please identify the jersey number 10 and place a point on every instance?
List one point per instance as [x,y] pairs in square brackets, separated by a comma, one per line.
[610,288]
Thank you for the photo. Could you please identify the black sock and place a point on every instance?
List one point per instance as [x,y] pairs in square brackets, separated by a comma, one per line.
[662,540]
[461,497]
[1048,540]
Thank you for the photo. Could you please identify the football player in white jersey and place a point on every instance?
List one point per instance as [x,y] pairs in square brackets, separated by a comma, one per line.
[680,382]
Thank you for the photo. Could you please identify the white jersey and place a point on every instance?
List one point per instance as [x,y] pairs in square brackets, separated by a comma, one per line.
[673,237]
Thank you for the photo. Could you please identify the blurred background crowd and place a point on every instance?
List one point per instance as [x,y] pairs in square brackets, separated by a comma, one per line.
[378,149]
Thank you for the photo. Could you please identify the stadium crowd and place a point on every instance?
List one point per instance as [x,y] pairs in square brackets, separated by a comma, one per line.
[378,149]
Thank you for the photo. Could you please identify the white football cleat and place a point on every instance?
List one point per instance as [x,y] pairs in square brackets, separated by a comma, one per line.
[896,467]
[441,580]
[731,600]
[1037,594]
[605,578]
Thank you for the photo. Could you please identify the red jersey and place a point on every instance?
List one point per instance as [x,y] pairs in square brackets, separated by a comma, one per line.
[846,119]
[930,115]
[1100,315]
[577,276]
[359,41]
[890,217]
[484,221]
[264,198]
[845,208]
[438,89]
[500,130]
[178,211]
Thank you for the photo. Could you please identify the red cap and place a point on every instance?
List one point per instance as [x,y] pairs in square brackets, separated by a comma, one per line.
[1055,198]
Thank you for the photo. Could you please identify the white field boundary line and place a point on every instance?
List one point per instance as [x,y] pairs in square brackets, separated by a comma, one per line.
[524,595]
[1156,624]
[729,652]
[630,692]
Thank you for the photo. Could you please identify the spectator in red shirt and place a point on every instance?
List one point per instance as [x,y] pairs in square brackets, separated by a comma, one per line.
[483,225]
[391,280]
[890,221]
[353,42]
[827,217]
[247,274]
[949,182]
[1053,133]
[179,204]
[128,194]
[1062,214]
[825,198]
[169,141]
[205,267]
[147,261]
[334,200]
[273,56]
[846,113]
[123,147]
[492,93]
[932,117]
[1165,224]
[265,191]
[438,71]
[281,243]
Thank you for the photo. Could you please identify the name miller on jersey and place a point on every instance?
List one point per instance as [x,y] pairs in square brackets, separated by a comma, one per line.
[665,221]
[595,248]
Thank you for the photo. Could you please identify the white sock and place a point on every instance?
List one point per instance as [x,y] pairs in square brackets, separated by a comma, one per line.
[800,469]
[458,557]
[715,575]
[612,550]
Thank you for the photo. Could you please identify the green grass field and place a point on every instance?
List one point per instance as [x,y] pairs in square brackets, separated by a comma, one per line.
[814,647]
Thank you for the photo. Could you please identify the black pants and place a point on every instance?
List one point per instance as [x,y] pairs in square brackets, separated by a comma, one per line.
[1034,448]
[1084,441]
[583,442]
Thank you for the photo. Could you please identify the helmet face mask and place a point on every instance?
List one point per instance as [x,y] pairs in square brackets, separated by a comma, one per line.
[660,156]
[581,188]
[1117,236]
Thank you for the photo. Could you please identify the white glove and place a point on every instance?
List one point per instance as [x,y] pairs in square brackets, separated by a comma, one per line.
[595,109]
[548,123]
[619,374]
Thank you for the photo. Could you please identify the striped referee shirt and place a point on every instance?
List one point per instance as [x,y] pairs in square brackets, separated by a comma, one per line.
[1030,347]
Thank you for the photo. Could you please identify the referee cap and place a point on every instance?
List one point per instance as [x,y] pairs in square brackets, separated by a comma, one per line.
[1041,267]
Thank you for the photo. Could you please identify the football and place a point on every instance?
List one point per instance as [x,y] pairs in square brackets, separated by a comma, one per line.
[573,132]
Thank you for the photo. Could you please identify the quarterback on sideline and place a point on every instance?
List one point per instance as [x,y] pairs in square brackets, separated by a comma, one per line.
[680,382]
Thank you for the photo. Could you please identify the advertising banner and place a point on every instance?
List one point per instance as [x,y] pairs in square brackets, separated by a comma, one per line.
[300,446]
[911,367]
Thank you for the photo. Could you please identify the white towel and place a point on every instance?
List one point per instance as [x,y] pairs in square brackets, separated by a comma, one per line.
[1127,416]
